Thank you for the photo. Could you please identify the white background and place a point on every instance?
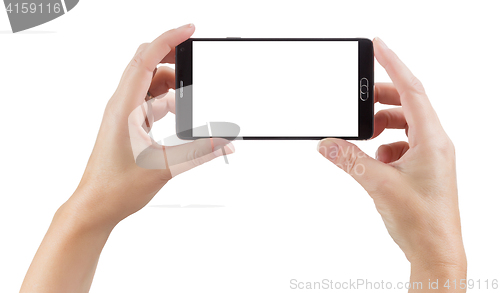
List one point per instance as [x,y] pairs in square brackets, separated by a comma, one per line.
[328,76]
[287,212]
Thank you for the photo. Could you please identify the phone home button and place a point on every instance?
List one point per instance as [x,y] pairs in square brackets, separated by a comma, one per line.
[363,89]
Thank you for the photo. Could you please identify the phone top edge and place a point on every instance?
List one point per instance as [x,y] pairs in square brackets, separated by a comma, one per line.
[277,39]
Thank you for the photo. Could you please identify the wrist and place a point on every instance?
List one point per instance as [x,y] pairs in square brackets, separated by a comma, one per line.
[440,277]
[68,254]
[80,215]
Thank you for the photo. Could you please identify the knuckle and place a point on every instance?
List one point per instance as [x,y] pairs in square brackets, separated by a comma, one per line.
[384,187]
[446,148]
[452,147]
[195,156]
[138,60]
[348,160]
[112,108]
[141,47]
[138,57]
[416,85]
[440,150]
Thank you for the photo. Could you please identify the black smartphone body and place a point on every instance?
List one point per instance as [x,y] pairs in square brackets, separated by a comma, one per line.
[275,88]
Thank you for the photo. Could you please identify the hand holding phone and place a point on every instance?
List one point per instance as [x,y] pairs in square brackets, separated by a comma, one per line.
[413,184]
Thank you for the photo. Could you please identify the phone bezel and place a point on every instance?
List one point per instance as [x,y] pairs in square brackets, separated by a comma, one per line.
[184,68]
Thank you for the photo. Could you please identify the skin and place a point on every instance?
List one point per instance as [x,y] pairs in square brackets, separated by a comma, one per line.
[109,190]
[413,185]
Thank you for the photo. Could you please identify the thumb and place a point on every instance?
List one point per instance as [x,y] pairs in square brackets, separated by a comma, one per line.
[184,157]
[367,171]
[181,158]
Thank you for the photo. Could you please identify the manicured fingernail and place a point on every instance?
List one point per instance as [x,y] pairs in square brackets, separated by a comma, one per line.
[379,40]
[328,149]
[186,26]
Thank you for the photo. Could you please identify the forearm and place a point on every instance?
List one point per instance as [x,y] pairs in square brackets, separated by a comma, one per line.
[67,257]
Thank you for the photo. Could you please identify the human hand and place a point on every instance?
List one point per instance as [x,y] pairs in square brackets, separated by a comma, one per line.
[127,167]
[413,184]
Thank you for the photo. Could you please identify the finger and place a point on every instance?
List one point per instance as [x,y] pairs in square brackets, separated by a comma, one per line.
[138,75]
[182,158]
[163,104]
[417,108]
[163,81]
[161,85]
[147,116]
[386,93]
[138,130]
[389,119]
[161,47]
[155,157]
[152,111]
[388,153]
[364,169]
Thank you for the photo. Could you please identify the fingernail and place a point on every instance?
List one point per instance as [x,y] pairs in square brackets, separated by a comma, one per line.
[186,26]
[379,40]
[328,149]
[376,155]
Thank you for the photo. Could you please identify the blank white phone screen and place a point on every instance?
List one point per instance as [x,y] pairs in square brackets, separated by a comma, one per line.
[277,88]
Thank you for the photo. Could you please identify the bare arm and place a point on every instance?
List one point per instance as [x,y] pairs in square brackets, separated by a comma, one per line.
[125,171]
[67,258]
[413,184]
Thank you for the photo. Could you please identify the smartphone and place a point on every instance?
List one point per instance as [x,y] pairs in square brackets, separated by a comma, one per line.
[274,88]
